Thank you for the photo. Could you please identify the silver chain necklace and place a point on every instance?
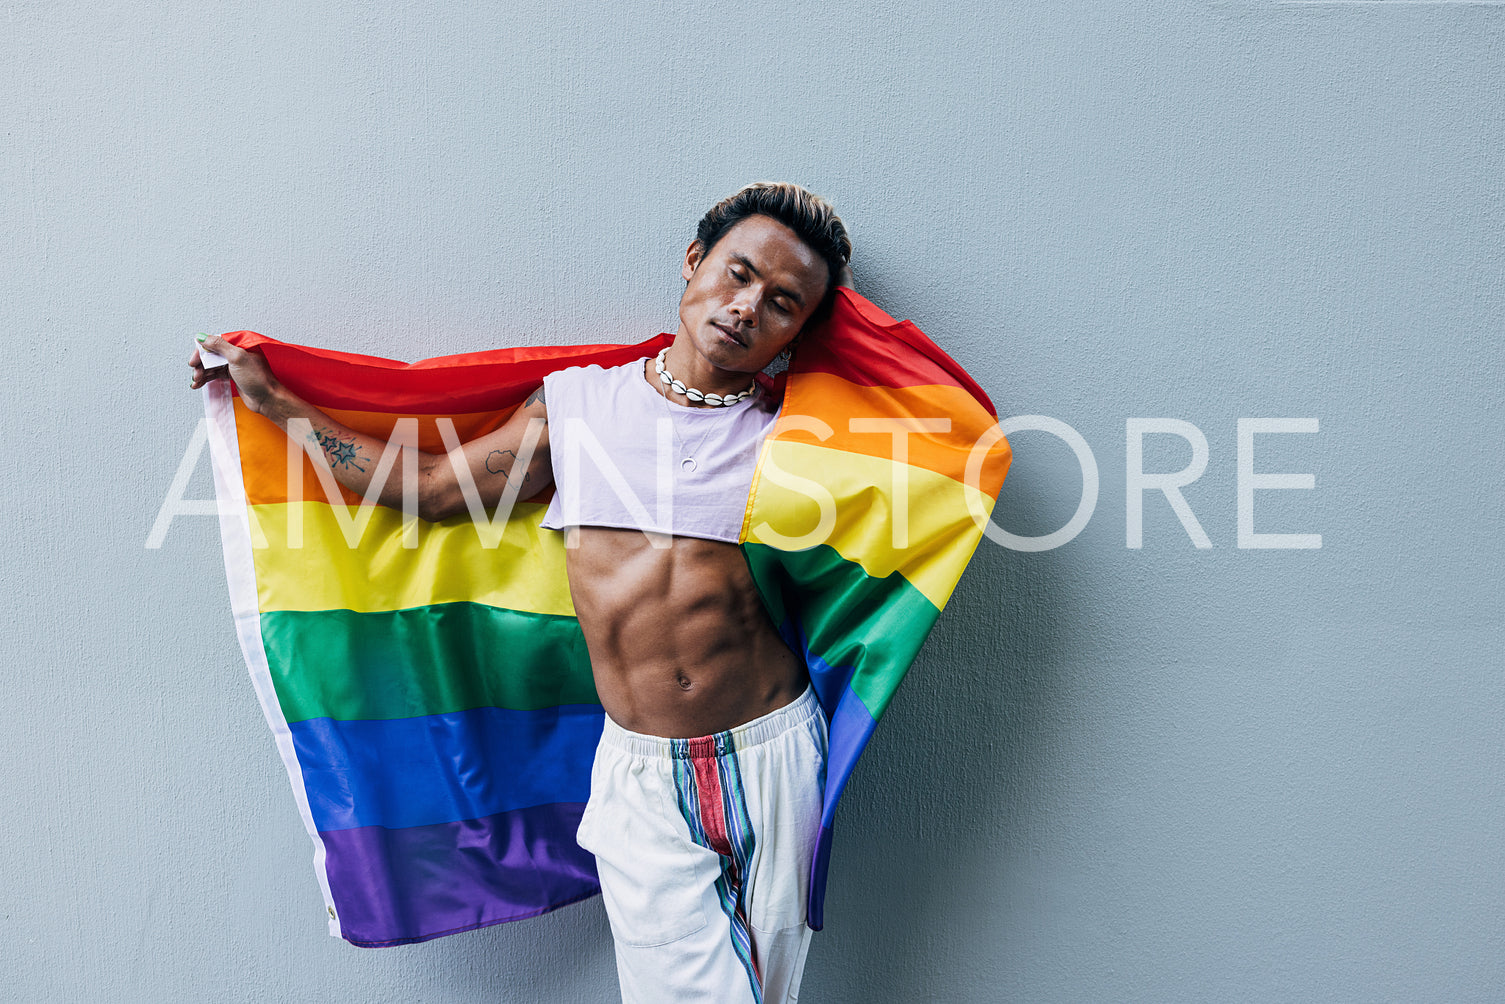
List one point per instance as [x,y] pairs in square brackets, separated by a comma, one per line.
[687,456]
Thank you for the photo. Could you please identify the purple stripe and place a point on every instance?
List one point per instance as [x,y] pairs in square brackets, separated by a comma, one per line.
[394,886]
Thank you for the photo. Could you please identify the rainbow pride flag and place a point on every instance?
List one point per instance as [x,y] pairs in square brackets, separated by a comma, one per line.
[429,689]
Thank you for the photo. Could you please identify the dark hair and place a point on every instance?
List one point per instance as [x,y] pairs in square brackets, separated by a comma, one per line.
[810,217]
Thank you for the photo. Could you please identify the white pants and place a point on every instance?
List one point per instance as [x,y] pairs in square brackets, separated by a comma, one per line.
[704,849]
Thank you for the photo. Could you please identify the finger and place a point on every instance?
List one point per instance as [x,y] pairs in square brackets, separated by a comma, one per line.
[220,347]
[202,376]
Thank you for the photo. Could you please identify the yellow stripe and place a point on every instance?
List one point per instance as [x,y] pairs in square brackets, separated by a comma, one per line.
[941,531]
[525,571]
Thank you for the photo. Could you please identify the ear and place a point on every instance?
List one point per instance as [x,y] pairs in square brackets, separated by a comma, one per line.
[692,260]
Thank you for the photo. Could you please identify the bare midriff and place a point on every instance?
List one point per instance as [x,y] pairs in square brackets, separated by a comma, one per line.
[679,641]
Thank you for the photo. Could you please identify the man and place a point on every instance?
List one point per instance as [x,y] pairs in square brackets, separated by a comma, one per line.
[706,792]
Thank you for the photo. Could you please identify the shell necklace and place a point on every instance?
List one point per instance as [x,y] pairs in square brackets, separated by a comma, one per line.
[698,396]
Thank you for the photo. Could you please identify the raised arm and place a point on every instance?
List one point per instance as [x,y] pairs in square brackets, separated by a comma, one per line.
[490,459]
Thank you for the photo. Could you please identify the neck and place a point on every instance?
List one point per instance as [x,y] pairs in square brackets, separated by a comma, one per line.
[692,368]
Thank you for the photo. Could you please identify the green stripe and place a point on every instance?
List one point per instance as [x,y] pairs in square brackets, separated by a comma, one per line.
[851,618]
[426,660]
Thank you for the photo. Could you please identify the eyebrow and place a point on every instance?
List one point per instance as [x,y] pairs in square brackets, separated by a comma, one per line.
[746,262]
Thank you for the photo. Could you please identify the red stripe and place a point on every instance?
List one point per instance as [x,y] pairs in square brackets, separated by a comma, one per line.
[855,343]
[474,381]
[712,811]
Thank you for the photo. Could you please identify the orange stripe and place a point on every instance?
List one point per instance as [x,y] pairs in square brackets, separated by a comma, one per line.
[264,448]
[837,401]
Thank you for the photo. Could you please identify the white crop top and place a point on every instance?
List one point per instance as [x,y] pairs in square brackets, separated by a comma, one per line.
[624,456]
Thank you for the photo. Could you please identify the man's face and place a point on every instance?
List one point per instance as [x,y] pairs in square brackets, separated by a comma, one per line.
[750,296]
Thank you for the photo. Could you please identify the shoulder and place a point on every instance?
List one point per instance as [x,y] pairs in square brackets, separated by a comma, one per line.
[593,377]
[590,374]
[579,389]
[561,382]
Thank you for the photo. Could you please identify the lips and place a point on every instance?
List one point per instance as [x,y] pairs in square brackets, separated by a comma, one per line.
[729,333]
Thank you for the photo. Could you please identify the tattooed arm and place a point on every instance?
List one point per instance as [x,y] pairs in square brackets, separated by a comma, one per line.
[491,459]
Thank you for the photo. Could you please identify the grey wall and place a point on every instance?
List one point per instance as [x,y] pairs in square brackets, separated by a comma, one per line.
[1153,774]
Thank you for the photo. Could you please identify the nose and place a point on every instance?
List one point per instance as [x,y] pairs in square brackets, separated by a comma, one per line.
[745,304]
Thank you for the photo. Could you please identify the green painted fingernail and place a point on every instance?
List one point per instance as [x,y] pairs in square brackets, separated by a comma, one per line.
[201,336]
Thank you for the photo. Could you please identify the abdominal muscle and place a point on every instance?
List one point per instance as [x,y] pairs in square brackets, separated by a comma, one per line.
[679,641]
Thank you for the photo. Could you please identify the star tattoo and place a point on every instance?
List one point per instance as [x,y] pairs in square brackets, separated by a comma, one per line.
[341,453]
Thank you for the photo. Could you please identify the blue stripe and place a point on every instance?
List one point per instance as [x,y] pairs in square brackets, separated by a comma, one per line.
[731,905]
[437,768]
[850,723]
[851,726]
[741,839]
[739,834]
[827,680]
[688,796]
